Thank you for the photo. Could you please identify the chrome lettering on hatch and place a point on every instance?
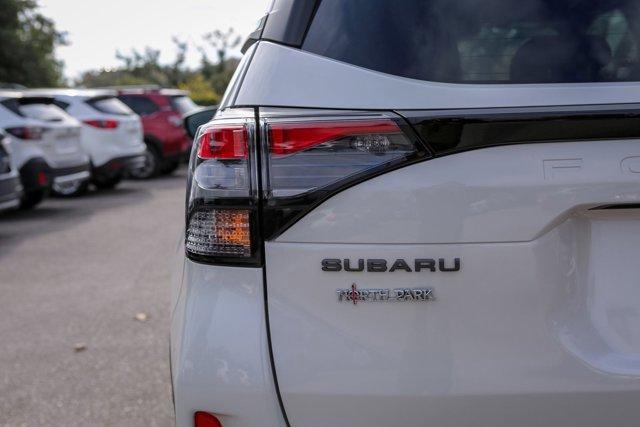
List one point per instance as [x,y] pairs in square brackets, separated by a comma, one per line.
[354,295]
[374,265]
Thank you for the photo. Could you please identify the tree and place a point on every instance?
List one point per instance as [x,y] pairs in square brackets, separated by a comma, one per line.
[200,90]
[206,84]
[219,71]
[27,45]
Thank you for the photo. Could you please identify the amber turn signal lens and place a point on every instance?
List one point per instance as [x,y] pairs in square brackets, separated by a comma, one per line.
[220,232]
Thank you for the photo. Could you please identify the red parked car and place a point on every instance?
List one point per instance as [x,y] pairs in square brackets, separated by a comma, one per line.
[161,111]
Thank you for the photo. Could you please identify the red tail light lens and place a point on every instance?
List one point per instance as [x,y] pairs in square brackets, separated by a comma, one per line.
[289,138]
[28,133]
[203,419]
[223,142]
[102,124]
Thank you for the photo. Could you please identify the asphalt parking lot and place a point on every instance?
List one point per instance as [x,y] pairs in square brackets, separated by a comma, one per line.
[84,307]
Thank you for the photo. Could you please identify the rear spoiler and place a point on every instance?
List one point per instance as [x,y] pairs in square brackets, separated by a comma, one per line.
[286,23]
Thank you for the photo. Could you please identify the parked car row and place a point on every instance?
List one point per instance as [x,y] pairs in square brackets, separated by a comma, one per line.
[62,140]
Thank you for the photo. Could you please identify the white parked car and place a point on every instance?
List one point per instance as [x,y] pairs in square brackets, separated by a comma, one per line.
[45,145]
[111,131]
[417,213]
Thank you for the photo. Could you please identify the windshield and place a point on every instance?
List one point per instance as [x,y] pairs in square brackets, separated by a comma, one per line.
[110,105]
[483,41]
[183,104]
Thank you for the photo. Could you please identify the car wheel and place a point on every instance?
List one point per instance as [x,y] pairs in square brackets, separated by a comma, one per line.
[107,183]
[74,189]
[152,164]
[31,199]
[170,167]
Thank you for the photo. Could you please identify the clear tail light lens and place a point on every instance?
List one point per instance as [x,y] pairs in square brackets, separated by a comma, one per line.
[219,232]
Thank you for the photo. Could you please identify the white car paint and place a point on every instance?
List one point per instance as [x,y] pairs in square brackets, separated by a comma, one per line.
[60,145]
[10,187]
[544,304]
[102,145]
[538,328]
[498,194]
[281,76]
[217,366]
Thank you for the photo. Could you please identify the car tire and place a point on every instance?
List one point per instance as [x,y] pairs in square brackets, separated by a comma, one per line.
[170,167]
[107,183]
[31,199]
[75,191]
[152,165]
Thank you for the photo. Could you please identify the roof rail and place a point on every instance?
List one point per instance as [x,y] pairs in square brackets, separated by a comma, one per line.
[134,87]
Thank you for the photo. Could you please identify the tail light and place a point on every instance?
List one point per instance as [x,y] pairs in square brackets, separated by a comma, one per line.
[102,124]
[248,185]
[204,419]
[222,216]
[31,133]
[308,155]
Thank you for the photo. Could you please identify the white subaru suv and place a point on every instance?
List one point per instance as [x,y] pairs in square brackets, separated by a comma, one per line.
[418,213]
[111,132]
[45,145]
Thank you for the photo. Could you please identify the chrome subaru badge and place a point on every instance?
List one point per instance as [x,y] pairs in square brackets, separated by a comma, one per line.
[355,295]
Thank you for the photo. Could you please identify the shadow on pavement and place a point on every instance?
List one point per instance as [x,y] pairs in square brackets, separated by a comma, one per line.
[56,213]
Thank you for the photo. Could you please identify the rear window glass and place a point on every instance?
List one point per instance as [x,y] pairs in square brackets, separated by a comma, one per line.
[110,105]
[139,104]
[483,41]
[43,112]
[183,104]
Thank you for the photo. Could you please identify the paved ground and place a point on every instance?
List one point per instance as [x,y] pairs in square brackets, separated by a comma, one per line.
[77,272]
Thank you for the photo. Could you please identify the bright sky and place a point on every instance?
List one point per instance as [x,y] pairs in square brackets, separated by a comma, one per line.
[97,28]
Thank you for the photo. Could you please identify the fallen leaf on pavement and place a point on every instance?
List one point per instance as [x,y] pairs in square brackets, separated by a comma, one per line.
[141,317]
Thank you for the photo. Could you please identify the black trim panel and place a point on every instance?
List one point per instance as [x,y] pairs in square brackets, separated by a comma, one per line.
[288,21]
[454,131]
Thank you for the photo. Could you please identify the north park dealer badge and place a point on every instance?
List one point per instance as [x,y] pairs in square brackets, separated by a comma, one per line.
[355,295]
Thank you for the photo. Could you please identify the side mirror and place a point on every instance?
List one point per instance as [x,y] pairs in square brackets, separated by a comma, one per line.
[196,119]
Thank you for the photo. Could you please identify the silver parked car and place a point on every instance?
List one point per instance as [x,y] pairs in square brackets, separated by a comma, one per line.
[10,187]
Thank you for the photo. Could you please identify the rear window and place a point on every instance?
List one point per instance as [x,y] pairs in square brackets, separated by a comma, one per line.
[43,112]
[483,41]
[183,104]
[139,104]
[110,105]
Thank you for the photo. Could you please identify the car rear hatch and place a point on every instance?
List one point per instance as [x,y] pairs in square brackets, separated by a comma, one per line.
[483,273]
[123,126]
[60,133]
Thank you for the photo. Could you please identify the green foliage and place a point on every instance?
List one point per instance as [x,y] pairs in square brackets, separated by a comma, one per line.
[205,84]
[200,90]
[27,45]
